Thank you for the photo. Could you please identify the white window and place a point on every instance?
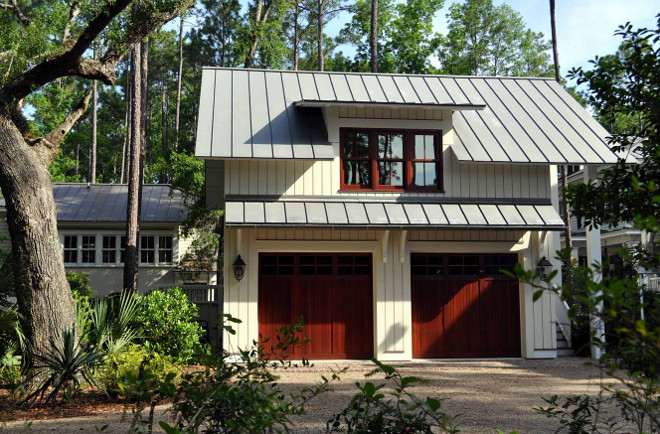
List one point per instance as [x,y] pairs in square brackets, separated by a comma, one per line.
[148,249]
[71,249]
[88,249]
[109,249]
[165,249]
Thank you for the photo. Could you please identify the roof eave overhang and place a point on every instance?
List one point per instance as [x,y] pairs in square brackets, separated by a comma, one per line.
[394,227]
[453,107]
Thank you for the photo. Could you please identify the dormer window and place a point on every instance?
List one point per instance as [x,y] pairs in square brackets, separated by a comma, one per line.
[391,160]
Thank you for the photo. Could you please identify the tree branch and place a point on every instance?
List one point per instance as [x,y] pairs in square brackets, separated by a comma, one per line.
[48,146]
[13,6]
[71,61]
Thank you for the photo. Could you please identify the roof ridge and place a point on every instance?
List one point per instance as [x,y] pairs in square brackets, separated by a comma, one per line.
[397,74]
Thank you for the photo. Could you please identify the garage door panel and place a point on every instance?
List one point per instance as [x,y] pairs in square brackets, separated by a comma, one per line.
[428,298]
[333,293]
[462,306]
[461,318]
[274,319]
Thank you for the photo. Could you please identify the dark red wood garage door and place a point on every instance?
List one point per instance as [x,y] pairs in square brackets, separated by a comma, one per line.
[333,293]
[463,306]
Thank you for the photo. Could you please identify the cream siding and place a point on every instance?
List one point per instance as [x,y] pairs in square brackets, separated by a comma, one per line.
[322,177]
[391,278]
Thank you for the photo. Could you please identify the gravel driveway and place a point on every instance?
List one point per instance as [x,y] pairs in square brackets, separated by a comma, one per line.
[490,394]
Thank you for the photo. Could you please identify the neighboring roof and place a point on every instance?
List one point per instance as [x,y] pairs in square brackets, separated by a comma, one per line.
[247,113]
[391,215]
[77,202]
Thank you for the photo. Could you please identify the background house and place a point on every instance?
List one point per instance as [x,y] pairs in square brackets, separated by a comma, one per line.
[383,207]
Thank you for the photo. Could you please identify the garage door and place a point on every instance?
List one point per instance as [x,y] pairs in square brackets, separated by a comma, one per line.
[463,306]
[333,293]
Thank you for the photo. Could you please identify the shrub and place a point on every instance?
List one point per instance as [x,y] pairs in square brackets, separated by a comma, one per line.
[79,283]
[124,369]
[165,325]
[371,412]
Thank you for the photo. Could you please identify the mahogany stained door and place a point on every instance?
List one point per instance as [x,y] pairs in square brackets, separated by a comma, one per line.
[463,306]
[333,294]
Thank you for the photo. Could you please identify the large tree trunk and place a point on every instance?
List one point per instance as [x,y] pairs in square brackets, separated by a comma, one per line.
[374,36]
[319,36]
[42,291]
[128,95]
[132,206]
[92,151]
[178,87]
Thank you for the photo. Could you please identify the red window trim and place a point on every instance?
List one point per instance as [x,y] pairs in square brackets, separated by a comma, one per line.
[408,159]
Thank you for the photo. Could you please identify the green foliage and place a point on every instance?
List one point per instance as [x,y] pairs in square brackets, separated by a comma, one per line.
[165,323]
[64,369]
[125,368]
[485,39]
[371,411]
[243,397]
[111,322]
[6,279]
[624,92]
[10,369]
[79,283]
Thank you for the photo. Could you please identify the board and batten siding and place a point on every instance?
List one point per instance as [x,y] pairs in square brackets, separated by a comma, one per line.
[322,177]
[391,278]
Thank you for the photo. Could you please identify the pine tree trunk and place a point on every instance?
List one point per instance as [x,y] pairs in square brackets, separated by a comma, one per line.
[321,51]
[128,92]
[77,169]
[92,151]
[132,206]
[178,87]
[42,291]
[568,236]
[374,36]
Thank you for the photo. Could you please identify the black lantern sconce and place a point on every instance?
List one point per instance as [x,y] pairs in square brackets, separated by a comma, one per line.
[239,268]
[544,268]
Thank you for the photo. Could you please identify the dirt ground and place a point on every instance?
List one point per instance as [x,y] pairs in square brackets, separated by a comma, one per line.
[489,394]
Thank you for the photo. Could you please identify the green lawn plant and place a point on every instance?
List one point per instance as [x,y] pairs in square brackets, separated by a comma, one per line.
[165,323]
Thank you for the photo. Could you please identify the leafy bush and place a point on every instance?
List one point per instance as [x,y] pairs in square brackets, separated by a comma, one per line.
[370,412]
[111,321]
[164,322]
[10,370]
[126,367]
[243,397]
[79,283]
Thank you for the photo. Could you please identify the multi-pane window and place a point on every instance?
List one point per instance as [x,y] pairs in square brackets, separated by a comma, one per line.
[88,249]
[165,249]
[147,249]
[425,166]
[109,249]
[356,161]
[70,249]
[391,160]
[82,249]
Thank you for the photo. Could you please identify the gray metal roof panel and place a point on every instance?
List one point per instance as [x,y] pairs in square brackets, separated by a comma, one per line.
[336,213]
[454,214]
[511,215]
[492,215]
[376,213]
[530,215]
[356,213]
[549,215]
[415,213]
[254,212]
[435,214]
[295,212]
[234,212]
[107,203]
[473,215]
[315,212]
[253,114]
[275,212]
[396,213]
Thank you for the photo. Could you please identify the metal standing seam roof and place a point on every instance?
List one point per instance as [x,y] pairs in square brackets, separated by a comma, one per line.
[247,113]
[391,215]
[107,203]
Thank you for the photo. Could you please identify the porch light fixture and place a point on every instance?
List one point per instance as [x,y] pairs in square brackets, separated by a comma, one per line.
[544,268]
[239,268]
